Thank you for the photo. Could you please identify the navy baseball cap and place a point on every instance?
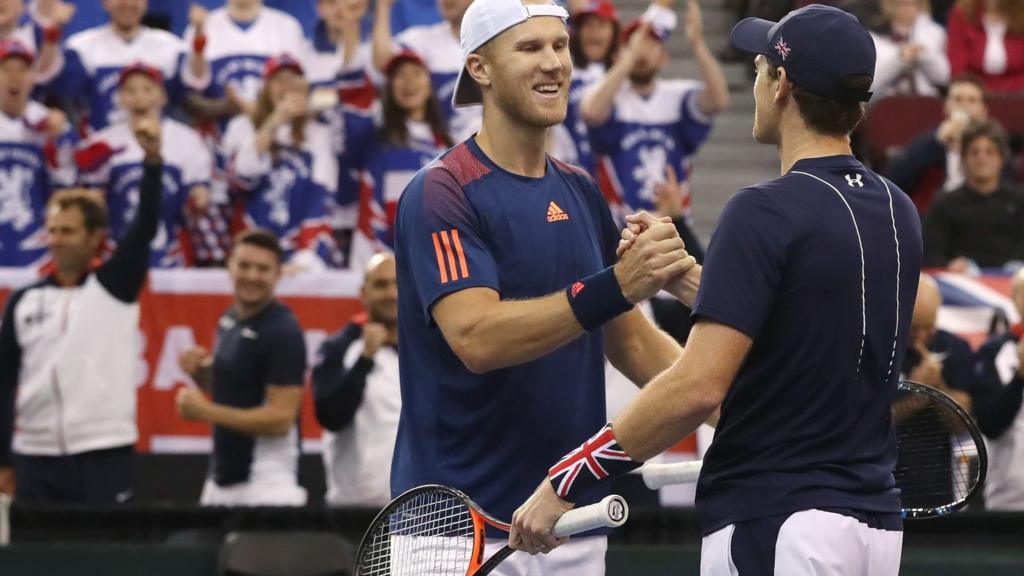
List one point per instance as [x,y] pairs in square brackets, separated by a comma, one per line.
[817,45]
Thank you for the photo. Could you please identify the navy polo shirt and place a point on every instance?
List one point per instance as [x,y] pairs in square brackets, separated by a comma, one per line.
[266,349]
[820,268]
[464,222]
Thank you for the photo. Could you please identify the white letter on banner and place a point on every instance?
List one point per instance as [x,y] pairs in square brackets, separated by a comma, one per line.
[168,372]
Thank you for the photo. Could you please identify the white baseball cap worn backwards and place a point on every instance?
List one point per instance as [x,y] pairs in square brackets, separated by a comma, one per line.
[485,19]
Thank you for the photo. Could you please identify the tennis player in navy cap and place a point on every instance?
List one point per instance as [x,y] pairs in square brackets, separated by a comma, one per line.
[801,320]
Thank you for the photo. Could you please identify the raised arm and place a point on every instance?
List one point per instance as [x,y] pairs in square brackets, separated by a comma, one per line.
[383,42]
[599,100]
[125,273]
[715,96]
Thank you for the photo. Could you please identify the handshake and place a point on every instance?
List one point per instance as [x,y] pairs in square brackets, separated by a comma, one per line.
[653,257]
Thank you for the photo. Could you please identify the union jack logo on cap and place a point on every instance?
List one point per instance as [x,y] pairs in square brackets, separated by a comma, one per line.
[783,49]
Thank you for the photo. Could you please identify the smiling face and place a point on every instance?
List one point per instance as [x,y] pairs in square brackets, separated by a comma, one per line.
[141,96]
[254,270]
[526,70]
[15,85]
[410,86]
[597,35]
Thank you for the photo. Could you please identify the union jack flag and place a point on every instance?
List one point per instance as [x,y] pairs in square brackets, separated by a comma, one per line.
[601,456]
[783,49]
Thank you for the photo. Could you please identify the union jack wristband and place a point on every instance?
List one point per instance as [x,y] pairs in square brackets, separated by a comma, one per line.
[598,459]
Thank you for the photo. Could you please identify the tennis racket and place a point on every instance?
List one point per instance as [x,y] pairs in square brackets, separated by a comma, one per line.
[438,531]
[940,455]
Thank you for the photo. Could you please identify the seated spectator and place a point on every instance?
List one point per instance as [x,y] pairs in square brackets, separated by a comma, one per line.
[111,160]
[986,38]
[230,47]
[388,147]
[285,168]
[931,161]
[997,407]
[255,378]
[593,43]
[981,224]
[910,51]
[95,57]
[934,356]
[439,46]
[357,395]
[35,157]
[650,128]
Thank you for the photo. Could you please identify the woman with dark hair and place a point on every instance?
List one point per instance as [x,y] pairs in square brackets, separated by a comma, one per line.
[284,168]
[593,42]
[986,38]
[383,150]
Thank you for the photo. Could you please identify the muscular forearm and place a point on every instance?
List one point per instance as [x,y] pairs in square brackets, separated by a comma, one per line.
[638,349]
[259,421]
[667,410]
[685,288]
[715,97]
[513,332]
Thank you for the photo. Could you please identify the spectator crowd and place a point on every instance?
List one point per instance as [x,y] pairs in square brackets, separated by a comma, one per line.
[282,153]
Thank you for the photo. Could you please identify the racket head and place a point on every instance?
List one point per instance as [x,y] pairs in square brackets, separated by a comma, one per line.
[429,529]
[941,458]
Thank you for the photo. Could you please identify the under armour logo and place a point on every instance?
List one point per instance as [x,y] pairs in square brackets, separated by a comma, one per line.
[854,179]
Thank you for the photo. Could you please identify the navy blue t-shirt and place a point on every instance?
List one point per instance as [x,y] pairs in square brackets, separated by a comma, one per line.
[820,268]
[464,222]
[265,349]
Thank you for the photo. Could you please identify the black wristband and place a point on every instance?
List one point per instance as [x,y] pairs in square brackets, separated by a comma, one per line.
[598,459]
[597,299]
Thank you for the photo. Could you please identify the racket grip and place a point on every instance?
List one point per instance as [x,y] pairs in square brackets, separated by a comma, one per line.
[659,475]
[611,512]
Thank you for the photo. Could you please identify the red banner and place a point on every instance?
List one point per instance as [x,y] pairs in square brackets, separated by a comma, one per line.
[180,309]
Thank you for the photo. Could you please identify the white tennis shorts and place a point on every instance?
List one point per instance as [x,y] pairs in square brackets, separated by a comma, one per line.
[807,543]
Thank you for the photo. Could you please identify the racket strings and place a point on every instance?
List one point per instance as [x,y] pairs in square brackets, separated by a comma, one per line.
[430,534]
[938,463]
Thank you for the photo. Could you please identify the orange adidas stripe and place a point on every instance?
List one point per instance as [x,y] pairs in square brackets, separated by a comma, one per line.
[440,259]
[462,255]
[451,257]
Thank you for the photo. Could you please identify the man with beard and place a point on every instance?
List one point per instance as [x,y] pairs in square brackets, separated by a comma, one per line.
[255,375]
[511,296]
[356,394]
[648,129]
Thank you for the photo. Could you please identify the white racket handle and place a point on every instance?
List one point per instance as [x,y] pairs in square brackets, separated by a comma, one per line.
[658,475]
[611,512]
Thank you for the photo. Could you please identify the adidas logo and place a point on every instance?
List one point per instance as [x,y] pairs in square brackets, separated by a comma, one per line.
[555,213]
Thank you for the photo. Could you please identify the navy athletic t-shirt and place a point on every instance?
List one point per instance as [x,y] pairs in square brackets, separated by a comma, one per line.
[266,349]
[464,222]
[820,268]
